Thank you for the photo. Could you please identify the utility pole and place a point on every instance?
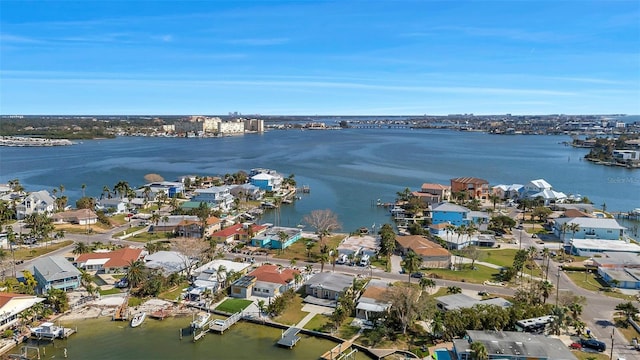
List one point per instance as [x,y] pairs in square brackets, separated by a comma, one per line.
[613,331]
[558,287]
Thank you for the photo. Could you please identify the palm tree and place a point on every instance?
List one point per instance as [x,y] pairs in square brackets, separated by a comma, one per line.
[494,199]
[135,273]
[81,248]
[309,245]
[453,290]
[261,306]
[411,263]
[333,256]
[426,283]
[479,351]
[84,187]
[324,258]
[546,253]
[545,289]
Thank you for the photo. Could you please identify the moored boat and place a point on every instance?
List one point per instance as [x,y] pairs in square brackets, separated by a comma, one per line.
[201,320]
[47,330]
[138,319]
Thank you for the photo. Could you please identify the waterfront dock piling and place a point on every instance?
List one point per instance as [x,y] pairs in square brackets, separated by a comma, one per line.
[337,352]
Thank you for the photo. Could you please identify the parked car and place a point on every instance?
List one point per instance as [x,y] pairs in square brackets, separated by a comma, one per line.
[417,275]
[593,344]
[575,346]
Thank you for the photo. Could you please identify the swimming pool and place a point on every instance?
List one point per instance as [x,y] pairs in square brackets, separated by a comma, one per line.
[442,354]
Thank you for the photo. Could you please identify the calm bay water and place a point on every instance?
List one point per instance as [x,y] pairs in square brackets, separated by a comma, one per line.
[103,339]
[347,170]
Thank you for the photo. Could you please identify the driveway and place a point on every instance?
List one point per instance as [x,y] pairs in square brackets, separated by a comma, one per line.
[396,268]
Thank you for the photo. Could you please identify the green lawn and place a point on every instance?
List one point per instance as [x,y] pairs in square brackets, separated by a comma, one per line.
[593,282]
[293,313]
[173,293]
[147,236]
[346,331]
[478,276]
[320,323]
[109,291]
[233,306]
[135,301]
[502,257]
[298,250]
[581,355]
[30,253]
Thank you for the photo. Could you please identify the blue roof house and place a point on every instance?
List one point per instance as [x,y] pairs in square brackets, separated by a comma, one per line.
[445,212]
[266,181]
[277,238]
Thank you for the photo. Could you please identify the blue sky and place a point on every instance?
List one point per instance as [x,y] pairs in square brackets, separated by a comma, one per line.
[372,57]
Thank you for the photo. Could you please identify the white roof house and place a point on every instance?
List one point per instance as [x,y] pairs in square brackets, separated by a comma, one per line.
[168,262]
[549,196]
[590,228]
[11,305]
[589,247]
[538,185]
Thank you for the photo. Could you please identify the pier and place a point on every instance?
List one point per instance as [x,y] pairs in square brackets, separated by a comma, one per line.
[290,337]
[122,312]
[337,352]
[216,325]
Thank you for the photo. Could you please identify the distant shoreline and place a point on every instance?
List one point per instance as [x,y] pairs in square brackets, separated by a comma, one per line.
[18,141]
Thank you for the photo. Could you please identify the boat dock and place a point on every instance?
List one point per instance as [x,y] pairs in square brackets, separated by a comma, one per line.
[216,325]
[122,312]
[290,337]
[337,352]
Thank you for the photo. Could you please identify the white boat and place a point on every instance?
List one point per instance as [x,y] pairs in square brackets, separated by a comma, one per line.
[47,330]
[200,320]
[138,319]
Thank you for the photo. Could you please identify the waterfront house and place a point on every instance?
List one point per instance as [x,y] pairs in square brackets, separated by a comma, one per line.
[12,305]
[512,345]
[111,262]
[246,192]
[589,228]
[473,188]
[373,301]
[536,186]
[170,188]
[79,216]
[212,274]
[238,232]
[265,281]
[453,214]
[549,196]
[513,191]
[433,255]
[276,237]
[326,287]
[55,272]
[217,197]
[267,181]
[168,262]
[113,205]
[38,202]
[459,301]
[591,247]
[433,193]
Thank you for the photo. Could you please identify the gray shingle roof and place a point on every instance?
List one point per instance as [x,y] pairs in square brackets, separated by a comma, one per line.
[55,268]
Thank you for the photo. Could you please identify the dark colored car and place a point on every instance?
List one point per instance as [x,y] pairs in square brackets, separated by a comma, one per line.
[417,275]
[593,344]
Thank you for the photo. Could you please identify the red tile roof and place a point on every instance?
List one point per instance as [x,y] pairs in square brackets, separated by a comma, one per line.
[421,246]
[5,297]
[435,186]
[117,259]
[470,180]
[273,274]
[237,229]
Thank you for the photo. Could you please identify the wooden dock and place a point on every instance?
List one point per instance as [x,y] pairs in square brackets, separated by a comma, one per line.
[122,312]
[290,337]
[337,351]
